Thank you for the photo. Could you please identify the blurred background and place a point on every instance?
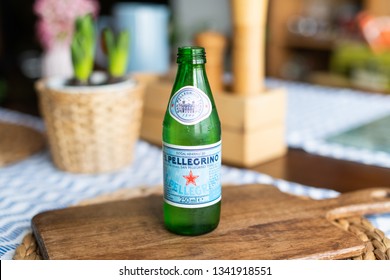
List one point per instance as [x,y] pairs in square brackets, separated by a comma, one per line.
[343,43]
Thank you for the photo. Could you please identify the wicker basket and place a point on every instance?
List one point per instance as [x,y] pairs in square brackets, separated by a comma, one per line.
[92,131]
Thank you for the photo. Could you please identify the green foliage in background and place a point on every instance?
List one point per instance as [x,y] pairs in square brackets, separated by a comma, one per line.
[350,56]
[83,48]
[117,48]
[363,67]
[83,45]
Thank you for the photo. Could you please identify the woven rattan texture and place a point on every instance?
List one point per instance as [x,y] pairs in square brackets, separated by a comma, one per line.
[92,132]
[18,142]
[377,244]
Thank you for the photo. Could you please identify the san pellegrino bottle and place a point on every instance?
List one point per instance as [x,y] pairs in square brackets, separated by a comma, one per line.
[191,149]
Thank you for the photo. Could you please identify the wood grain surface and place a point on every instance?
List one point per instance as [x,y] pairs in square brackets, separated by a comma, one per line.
[18,142]
[257,222]
[324,172]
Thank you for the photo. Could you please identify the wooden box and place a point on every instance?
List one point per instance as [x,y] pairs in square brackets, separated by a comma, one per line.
[253,127]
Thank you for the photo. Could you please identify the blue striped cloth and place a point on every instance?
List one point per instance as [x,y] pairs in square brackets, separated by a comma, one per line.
[35,185]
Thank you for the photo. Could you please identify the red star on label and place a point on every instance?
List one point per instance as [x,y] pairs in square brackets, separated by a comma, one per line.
[190,178]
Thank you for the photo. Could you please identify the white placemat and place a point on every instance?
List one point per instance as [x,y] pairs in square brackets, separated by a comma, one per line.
[315,113]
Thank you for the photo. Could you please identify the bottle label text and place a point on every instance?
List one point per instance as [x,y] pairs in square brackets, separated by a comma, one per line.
[192,175]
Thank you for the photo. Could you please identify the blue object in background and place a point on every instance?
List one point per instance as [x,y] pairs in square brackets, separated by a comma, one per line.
[149,35]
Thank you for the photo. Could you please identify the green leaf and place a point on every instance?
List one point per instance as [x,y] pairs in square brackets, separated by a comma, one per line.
[117,51]
[83,47]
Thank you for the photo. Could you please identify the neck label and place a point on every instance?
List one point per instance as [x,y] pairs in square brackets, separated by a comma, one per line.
[190,105]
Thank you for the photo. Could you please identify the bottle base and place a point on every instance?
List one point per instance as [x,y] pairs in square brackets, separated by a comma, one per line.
[191,230]
[190,221]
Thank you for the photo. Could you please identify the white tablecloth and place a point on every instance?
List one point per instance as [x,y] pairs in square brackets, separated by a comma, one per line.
[315,113]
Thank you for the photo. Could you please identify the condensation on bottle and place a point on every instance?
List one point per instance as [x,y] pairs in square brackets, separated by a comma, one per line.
[191,149]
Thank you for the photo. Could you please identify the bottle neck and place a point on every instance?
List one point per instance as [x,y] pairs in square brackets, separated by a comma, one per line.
[191,69]
[191,74]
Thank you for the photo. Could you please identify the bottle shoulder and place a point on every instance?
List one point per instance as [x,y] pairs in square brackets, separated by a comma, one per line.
[205,132]
[191,116]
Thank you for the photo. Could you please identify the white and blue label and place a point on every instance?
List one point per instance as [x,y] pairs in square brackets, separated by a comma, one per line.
[192,175]
[190,105]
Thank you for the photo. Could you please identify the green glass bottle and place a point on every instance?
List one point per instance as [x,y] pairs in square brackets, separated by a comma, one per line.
[191,149]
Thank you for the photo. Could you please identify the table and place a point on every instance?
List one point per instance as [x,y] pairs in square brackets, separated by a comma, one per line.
[305,168]
[36,185]
[325,172]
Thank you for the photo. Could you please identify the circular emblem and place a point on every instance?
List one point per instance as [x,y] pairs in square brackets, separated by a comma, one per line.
[189,105]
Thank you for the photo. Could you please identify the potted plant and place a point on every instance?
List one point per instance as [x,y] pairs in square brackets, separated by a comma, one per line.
[93,119]
[54,29]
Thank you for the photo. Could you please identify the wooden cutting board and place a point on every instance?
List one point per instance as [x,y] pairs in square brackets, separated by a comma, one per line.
[257,222]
